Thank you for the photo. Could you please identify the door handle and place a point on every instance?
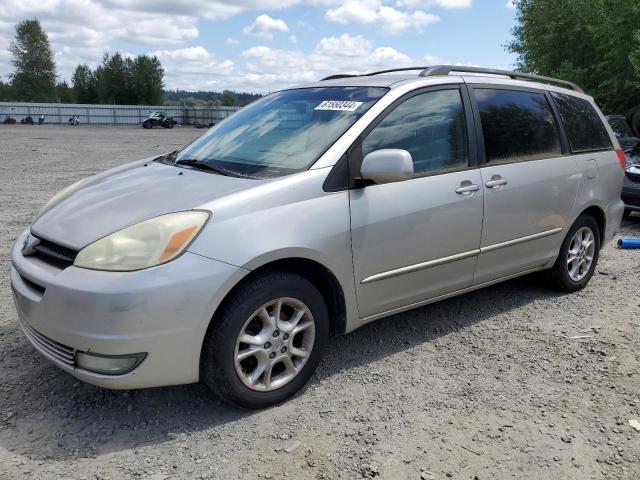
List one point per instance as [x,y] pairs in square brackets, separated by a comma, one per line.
[496,182]
[467,188]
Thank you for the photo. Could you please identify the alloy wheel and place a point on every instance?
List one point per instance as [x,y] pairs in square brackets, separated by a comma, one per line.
[274,344]
[581,252]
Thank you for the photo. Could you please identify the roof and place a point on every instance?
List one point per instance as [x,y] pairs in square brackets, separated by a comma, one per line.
[396,77]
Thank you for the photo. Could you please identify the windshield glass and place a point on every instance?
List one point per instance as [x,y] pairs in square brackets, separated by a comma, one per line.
[282,133]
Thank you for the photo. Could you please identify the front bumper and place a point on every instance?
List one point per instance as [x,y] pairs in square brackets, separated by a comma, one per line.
[162,311]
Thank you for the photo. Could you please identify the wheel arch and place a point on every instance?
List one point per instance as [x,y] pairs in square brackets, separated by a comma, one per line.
[599,216]
[313,271]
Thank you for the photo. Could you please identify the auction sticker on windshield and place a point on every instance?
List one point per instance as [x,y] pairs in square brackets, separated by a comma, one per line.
[339,105]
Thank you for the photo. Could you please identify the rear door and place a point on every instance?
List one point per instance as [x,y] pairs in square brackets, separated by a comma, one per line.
[418,239]
[530,182]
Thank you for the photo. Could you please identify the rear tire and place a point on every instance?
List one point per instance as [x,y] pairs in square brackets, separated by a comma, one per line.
[576,261]
[237,380]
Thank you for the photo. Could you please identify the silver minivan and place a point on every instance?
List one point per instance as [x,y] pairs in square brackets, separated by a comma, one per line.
[309,213]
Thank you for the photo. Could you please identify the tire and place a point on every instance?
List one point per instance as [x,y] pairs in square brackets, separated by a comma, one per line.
[146,125]
[227,378]
[560,276]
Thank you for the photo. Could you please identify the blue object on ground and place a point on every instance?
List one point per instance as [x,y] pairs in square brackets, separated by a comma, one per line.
[629,243]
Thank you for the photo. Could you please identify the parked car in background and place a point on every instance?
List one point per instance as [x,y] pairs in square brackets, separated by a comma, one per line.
[312,212]
[633,120]
[630,144]
[158,119]
[627,139]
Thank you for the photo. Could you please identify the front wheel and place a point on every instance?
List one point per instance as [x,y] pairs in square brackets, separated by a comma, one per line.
[266,341]
[578,256]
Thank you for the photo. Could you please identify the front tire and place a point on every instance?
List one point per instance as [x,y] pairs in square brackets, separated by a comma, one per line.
[578,256]
[266,341]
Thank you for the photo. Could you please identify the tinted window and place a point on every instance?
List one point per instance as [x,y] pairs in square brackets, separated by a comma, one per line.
[517,126]
[431,126]
[582,123]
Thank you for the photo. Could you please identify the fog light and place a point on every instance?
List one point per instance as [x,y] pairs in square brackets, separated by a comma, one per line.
[109,364]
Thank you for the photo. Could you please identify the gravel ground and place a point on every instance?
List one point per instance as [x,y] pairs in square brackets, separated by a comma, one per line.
[513,381]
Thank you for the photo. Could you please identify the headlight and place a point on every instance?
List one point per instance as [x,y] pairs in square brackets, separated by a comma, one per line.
[146,244]
[62,193]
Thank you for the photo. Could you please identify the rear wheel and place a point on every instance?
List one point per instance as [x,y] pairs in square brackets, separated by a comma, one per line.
[266,341]
[578,256]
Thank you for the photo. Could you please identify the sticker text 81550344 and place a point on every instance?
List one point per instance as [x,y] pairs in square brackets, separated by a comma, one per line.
[339,105]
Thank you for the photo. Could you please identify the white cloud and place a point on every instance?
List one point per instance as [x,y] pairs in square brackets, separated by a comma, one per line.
[231,41]
[345,45]
[293,39]
[450,4]
[264,27]
[391,20]
[269,69]
[193,66]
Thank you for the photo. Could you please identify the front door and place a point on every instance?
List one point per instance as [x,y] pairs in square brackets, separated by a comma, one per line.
[418,239]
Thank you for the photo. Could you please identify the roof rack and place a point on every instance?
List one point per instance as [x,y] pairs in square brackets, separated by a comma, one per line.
[443,70]
[371,74]
[447,69]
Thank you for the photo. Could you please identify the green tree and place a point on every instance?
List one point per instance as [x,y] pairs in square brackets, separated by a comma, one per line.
[228,98]
[6,92]
[594,43]
[85,84]
[147,80]
[34,78]
[111,79]
[64,93]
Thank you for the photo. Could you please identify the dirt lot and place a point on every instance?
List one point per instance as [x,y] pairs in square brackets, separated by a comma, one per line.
[514,381]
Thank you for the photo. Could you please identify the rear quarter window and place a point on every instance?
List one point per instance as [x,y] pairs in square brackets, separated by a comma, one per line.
[584,127]
[517,125]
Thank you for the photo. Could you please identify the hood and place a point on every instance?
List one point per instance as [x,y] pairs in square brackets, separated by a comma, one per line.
[114,200]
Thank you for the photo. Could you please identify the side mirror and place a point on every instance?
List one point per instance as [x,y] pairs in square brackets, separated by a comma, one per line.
[387,166]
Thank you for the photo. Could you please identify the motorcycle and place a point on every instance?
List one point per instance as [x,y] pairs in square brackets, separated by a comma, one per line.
[9,120]
[40,119]
[75,120]
[28,120]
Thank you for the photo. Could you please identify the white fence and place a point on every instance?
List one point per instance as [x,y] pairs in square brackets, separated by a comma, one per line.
[112,114]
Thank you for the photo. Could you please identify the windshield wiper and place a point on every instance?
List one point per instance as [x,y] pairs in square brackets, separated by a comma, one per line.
[205,166]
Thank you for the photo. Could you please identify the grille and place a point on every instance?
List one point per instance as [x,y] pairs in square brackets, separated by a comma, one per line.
[60,352]
[54,254]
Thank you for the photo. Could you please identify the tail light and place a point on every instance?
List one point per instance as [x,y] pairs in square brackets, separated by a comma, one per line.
[622,158]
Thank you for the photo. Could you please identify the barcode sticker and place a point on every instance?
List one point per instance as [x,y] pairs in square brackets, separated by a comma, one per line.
[339,105]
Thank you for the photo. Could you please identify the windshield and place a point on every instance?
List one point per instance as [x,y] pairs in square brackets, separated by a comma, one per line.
[282,133]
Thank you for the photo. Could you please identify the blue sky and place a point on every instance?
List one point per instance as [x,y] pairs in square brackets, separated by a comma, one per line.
[267,44]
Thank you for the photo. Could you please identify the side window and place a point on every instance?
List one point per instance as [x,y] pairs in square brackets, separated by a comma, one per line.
[583,124]
[517,126]
[431,126]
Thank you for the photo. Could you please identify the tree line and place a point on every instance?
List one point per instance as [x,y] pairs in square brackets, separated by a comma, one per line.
[594,43]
